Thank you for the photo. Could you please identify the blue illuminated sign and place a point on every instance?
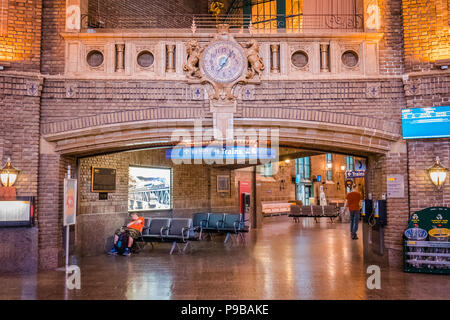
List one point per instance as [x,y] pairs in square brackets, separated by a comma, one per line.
[218,152]
[423,123]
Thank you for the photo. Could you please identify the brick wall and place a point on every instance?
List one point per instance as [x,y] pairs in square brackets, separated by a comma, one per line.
[19,140]
[53,47]
[422,155]
[19,129]
[426,33]
[391,45]
[20,45]
[101,96]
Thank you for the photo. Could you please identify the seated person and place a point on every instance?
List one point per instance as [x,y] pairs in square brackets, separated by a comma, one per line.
[134,228]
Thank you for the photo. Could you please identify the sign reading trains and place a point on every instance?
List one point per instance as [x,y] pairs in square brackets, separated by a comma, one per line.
[103,180]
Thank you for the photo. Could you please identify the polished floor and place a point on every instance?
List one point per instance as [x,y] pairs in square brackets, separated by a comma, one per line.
[282,260]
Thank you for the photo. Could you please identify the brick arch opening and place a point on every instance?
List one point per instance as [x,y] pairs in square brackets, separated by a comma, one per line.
[66,142]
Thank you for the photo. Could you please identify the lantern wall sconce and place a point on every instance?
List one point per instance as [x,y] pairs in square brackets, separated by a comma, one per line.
[437,173]
[8,174]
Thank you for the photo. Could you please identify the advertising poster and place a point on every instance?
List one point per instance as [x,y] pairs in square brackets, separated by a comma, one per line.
[70,201]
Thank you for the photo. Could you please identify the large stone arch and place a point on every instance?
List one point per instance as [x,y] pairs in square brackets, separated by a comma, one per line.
[137,129]
[64,141]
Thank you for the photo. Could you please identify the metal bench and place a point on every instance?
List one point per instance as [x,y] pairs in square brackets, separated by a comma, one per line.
[230,224]
[175,230]
[315,212]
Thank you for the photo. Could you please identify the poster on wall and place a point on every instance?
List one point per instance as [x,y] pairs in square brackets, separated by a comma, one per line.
[70,201]
[149,188]
[395,186]
[223,183]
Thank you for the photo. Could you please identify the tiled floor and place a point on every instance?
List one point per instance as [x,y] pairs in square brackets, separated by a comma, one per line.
[282,260]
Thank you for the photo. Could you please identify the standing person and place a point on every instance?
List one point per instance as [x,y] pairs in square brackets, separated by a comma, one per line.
[352,201]
[134,229]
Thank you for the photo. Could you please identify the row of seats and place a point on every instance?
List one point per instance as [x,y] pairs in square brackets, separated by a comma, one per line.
[175,230]
[330,211]
[185,230]
[231,224]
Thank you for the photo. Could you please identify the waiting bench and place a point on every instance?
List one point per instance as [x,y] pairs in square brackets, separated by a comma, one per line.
[230,224]
[275,208]
[315,212]
[175,230]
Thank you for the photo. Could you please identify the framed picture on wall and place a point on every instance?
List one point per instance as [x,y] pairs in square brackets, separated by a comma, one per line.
[223,183]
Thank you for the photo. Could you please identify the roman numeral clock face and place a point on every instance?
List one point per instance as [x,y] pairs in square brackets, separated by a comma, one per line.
[223,61]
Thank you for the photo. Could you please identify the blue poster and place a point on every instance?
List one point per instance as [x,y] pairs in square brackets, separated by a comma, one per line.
[423,123]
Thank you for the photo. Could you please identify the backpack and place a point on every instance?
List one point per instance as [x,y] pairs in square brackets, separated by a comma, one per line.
[122,243]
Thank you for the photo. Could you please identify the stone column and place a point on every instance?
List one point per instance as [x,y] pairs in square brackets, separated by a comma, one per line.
[275,59]
[170,57]
[324,57]
[120,66]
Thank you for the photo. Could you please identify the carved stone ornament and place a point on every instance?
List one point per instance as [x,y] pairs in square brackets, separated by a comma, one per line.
[223,63]
[194,52]
[254,60]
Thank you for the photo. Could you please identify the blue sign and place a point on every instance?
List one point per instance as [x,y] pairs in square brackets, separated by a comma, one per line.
[426,123]
[218,152]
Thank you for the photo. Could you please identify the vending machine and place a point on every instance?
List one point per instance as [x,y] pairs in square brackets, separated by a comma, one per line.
[246,205]
[426,241]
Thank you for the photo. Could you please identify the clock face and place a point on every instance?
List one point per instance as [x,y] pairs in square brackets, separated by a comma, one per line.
[223,61]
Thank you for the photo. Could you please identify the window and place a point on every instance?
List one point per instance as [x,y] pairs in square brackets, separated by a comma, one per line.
[268,170]
[149,188]
[272,14]
[294,18]
[329,166]
[303,168]
[349,163]
[264,14]
[294,15]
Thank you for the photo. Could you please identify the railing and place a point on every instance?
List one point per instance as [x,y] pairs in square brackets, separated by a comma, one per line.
[269,23]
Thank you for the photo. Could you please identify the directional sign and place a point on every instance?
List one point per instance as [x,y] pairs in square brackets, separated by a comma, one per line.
[355,174]
[360,165]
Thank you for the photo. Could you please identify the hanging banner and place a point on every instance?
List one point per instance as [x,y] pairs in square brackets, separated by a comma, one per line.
[70,201]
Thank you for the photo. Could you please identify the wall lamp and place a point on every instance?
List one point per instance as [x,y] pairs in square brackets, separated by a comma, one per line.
[8,174]
[437,173]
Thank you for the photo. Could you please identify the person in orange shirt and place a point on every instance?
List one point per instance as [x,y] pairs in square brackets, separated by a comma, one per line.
[134,228]
[352,201]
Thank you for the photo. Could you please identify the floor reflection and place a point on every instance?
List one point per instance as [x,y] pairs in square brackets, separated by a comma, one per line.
[282,260]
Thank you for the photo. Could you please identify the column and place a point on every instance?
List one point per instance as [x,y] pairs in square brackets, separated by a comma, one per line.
[120,49]
[324,57]
[275,58]
[170,57]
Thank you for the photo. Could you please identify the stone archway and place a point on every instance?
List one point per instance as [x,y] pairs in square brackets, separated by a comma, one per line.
[65,141]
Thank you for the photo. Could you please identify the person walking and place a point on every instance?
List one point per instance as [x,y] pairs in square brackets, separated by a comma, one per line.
[352,201]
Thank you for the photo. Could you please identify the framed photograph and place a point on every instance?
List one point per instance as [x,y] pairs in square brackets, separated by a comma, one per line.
[223,183]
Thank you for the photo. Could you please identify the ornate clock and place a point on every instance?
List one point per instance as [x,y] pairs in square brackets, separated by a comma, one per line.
[224,62]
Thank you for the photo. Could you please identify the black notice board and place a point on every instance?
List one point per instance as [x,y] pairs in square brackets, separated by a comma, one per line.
[103,179]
